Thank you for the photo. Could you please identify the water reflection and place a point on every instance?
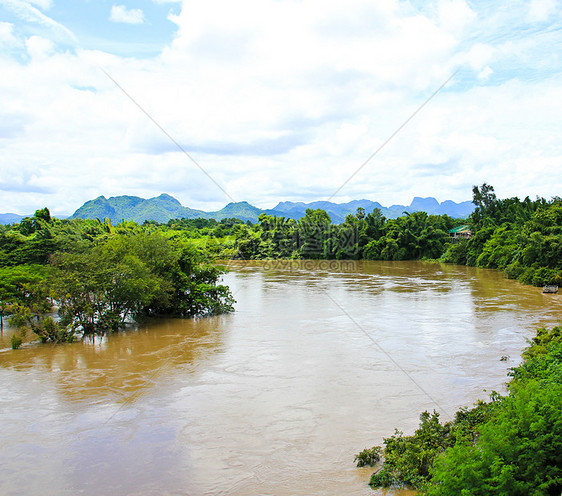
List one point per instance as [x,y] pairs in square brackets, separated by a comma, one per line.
[124,364]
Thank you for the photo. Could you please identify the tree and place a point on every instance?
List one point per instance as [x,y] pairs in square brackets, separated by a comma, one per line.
[103,288]
[314,233]
[130,276]
[360,213]
[43,215]
[17,286]
[483,196]
[195,289]
[32,306]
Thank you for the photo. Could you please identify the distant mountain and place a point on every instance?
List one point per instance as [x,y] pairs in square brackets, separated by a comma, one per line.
[240,210]
[166,207]
[161,209]
[10,218]
[338,212]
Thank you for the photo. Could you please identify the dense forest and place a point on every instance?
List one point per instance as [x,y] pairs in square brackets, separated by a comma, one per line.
[100,276]
[508,446]
[521,238]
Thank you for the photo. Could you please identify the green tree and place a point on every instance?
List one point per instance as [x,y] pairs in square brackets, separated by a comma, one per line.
[196,291]
[18,287]
[32,306]
[314,232]
[134,275]
[483,196]
[103,288]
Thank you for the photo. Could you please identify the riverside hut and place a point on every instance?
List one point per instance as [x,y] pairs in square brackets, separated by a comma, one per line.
[460,232]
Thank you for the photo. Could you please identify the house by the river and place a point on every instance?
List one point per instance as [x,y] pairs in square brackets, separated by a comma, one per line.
[460,232]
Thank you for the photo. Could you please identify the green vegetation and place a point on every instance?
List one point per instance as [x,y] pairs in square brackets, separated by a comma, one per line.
[521,238]
[510,446]
[369,456]
[368,236]
[101,275]
[98,276]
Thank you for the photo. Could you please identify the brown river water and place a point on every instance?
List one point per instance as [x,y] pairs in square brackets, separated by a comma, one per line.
[319,361]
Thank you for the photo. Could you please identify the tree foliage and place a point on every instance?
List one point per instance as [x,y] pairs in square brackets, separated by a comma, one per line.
[99,276]
[521,238]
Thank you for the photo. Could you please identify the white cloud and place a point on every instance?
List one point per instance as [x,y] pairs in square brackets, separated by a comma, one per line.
[479,56]
[485,73]
[455,15]
[542,10]
[7,37]
[120,13]
[285,100]
[43,4]
[39,47]
[29,13]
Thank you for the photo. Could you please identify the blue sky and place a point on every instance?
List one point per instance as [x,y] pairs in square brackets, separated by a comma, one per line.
[141,30]
[269,100]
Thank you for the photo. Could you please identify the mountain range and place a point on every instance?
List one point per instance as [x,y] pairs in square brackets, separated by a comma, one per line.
[165,207]
[10,218]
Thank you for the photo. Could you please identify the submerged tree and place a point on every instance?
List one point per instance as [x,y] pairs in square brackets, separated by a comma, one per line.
[129,276]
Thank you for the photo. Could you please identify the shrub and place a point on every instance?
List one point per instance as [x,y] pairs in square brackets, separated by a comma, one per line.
[16,341]
[369,456]
[456,253]
[527,276]
[543,276]
[514,270]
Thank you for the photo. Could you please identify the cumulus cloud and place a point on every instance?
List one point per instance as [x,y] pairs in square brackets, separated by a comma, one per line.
[286,100]
[120,13]
[38,47]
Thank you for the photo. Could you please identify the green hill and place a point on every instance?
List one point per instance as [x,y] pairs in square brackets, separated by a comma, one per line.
[165,207]
[161,209]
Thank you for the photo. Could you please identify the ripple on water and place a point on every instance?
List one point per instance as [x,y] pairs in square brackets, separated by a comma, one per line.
[276,398]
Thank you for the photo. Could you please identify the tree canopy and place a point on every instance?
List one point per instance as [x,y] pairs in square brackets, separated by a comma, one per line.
[99,276]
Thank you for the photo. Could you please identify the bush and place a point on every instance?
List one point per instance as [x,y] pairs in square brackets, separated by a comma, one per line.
[514,270]
[527,276]
[49,330]
[518,450]
[544,276]
[407,459]
[456,253]
[16,341]
[369,456]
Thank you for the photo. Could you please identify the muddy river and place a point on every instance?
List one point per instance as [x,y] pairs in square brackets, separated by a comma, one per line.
[319,361]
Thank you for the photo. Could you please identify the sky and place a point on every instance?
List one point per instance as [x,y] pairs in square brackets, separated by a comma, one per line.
[214,101]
